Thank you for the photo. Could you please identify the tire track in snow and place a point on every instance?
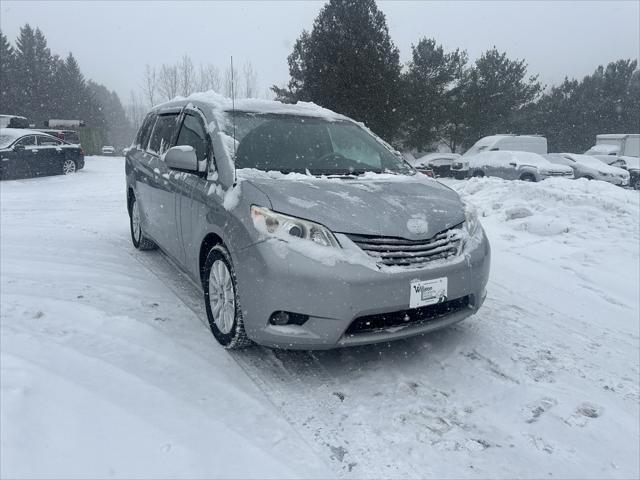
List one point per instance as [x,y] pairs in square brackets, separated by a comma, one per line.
[288,379]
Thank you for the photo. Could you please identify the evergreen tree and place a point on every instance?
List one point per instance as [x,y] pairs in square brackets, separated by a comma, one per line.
[496,89]
[570,115]
[349,64]
[430,87]
[8,92]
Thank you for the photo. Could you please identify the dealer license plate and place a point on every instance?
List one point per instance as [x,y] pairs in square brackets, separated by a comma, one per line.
[428,292]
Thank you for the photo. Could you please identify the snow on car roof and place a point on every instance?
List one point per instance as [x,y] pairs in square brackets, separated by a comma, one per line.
[10,135]
[499,157]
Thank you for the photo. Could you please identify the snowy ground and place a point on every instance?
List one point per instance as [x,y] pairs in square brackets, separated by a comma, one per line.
[107,368]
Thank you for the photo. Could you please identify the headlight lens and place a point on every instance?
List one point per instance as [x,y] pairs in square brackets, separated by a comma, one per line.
[285,227]
[471,222]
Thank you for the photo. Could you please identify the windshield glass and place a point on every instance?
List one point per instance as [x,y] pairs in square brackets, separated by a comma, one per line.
[289,143]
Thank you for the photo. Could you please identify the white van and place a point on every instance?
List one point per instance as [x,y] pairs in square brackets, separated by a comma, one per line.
[619,144]
[516,143]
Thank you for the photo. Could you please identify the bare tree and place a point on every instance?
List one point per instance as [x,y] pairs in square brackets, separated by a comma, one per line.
[250,80]
[209,78]
[230,89]
[135,110]
[150,84]
[186,75]
[168,81]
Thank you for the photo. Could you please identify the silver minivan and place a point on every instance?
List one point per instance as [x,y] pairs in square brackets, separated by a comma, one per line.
[303,228]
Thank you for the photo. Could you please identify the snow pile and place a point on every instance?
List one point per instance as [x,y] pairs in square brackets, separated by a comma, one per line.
[579,209]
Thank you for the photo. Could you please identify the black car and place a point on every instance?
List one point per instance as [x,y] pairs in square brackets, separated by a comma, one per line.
[29,153]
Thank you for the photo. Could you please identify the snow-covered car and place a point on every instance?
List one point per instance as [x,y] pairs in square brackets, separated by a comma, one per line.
[30,153]
[526,166]
[108,150]
[460,168]
[303,228]
[628,163]
[586,166]
[439,163]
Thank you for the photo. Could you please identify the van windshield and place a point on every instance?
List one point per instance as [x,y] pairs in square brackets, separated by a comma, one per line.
[290,143]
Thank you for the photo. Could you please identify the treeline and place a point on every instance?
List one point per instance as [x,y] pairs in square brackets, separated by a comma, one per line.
[40,86]
[349,63]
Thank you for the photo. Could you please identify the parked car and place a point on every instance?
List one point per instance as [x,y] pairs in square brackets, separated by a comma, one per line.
[303,228]
[108,150]
[586,166]
[630,164]
[438,163]
[29,153]
[619,144]
[526,166]
[69,136]
[515,143]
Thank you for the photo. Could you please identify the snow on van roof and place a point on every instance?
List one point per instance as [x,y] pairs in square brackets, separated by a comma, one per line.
[221,103]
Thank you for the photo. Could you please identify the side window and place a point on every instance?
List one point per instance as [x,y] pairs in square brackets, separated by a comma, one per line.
[28,141]
[192,133]
[163,133]
[47,141]
[142,140]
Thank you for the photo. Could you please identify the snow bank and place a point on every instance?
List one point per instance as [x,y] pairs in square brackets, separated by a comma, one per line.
[578,209]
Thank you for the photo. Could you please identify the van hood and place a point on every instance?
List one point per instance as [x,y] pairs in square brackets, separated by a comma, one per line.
[412,207]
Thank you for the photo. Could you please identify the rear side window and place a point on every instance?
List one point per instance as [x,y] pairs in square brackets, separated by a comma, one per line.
[71,137]
[192,133]
[48,141]
[142,139]
[163,133]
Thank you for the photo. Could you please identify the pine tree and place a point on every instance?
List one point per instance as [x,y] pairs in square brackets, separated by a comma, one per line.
[430,87]
[8,87]
[348,63]
[495,90]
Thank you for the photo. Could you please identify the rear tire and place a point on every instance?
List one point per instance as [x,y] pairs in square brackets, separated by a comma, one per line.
[137,236]
[636,184]
[69,166]
[221,300]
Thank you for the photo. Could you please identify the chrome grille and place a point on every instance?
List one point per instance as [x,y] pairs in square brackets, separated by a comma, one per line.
[393,251]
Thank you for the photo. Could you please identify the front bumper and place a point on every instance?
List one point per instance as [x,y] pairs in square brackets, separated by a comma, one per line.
[272,278]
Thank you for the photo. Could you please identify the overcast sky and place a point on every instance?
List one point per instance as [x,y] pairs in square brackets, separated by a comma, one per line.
[114,40]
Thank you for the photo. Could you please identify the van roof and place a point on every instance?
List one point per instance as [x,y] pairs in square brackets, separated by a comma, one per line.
[616,136]
[219,104]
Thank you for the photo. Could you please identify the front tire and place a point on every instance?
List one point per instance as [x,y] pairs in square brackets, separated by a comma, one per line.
[528,177]
[478,173]
[137,237]
[221,300]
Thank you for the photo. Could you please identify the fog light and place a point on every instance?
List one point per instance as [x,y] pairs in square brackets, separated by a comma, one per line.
[287,318]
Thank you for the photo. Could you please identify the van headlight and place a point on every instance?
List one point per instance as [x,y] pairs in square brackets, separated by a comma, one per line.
[471,222]
[285,227]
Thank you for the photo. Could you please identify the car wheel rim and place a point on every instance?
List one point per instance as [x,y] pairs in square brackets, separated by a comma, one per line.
[221,296]
[68,167]
[135,221]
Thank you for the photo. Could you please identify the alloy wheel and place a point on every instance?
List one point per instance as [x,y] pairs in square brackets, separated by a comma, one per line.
[69,166]
[222,296]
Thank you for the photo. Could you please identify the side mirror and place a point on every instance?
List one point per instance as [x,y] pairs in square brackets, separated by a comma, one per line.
[18,148]
[182,157]
[513,164]
[224,162]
